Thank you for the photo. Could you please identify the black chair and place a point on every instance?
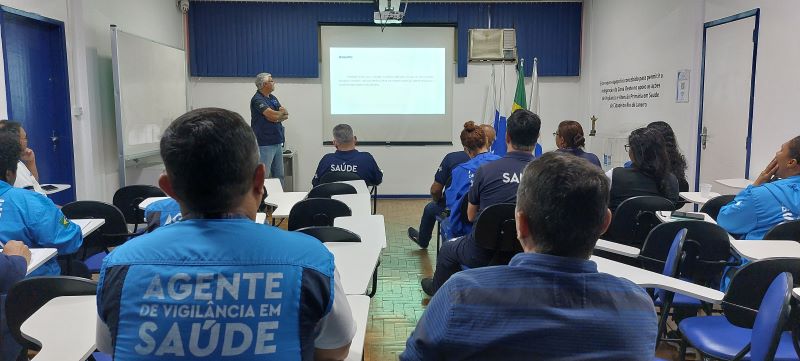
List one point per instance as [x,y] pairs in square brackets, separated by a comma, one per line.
[326,190]
[713,205]
[338,176]
[789,230]
[496,230]
[127,199]
[316,212]
[112,233]
[330,234]
[28,295]
[634,218]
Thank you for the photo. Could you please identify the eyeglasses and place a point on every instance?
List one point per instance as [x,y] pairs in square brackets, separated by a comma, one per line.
[627,147]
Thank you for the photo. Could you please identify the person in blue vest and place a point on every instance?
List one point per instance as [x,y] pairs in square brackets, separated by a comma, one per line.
[550,302]
[569,139]
[494,182]
[217,285]
[161,213]
[348,159]
[30,217]
[266,118]
[474,140]
[774,196]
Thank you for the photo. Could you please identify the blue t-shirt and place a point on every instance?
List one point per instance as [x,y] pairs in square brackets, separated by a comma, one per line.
[267,133]
[578,152]
[361,163]
[538,307]
[461,180]
[35,220]
[216,289]
[755,210]
[162,213]
[497,182]
[450,161]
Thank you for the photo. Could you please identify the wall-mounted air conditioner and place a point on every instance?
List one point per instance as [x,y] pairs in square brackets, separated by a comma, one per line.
[492,45]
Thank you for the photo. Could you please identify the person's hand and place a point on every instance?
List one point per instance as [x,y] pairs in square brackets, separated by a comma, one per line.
[28,156]
[768,173]
[17,248]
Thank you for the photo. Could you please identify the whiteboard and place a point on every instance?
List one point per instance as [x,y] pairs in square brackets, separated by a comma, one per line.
[149,89]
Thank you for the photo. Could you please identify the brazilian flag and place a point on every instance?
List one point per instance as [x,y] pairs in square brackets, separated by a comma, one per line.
[519,95]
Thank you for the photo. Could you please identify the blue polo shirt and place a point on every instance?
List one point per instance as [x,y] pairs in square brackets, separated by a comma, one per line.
[162,213]
[267,133]
[361,163]
[580,153]
[35,220]
[545,308]
[461,180]
[497,182]
[450,161]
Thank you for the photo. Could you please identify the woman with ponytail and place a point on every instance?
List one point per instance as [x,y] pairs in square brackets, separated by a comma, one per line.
[569,139]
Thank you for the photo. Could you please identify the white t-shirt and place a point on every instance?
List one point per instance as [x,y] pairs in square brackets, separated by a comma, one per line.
[25,179]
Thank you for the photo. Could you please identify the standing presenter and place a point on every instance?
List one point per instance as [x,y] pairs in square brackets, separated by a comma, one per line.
[266,119]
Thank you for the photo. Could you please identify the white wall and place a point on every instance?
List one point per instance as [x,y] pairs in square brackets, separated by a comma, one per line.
[91,88]
[631,37]
[777,87]
[407,170]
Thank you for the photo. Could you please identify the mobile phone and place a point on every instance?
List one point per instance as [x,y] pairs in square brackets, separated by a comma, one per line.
[688,215]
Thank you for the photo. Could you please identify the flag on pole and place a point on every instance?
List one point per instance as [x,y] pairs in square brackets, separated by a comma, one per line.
[499,145]
[533,101]
[519,95]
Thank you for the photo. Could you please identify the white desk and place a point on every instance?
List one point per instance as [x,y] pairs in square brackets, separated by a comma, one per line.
[760,249]
[65,327]
[740,183]
[283,202]
[88,225]
[355,261]
[148,201]
[647,279]
[617,248]
[359,305]
[273,186]
[697,197]
[39,256]
[359,185]
[371,228]
[359,203]
[666,216]
[796,292]
[57,188]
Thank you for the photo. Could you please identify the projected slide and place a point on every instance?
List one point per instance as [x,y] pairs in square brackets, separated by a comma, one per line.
[387,81]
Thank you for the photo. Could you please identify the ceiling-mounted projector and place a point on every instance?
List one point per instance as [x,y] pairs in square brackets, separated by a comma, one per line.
[387,14]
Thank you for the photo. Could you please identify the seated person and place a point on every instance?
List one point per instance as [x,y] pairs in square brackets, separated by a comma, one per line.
[677,162]
[550,302]
[494,182]
[13,266]
[31,217]
[348,159]
[490,134]
[162,213]
[27,173]
[569,139]
[474,140]
[250,290]
[774,196]
[649,174]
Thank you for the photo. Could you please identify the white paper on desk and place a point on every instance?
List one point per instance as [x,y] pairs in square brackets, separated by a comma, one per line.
[39,256]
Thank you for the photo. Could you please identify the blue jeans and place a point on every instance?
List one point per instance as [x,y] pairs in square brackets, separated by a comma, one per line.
[457,252]
[432,209]
[272,157]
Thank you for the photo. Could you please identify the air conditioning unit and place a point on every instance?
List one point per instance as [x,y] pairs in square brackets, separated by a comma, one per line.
[492,45]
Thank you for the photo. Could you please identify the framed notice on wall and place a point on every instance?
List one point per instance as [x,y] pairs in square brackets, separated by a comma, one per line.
[682,87]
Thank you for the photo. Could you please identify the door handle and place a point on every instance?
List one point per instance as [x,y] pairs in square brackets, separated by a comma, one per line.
[54,140]
[704,137]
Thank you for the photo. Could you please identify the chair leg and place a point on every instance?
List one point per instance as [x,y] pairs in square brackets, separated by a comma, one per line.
[742,353]
[374,281]
[662,321]
[682,351]
[374,199]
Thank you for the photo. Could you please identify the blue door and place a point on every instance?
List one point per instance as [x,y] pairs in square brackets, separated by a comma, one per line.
[37,91]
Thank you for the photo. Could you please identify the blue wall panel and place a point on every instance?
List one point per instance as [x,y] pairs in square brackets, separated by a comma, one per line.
[241,39]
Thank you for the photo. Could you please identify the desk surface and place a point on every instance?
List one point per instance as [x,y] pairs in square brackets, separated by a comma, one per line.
[58,188]
[697,197]
[760,249]
[39,256]
[666,216]
[148,201]
[355,262]
[78,313]
[371,228]
[359,305]
[617,248]
[359,203]
[648,279]
[359,185]
[283,202]
[273,186]
[740,183]
[88,225]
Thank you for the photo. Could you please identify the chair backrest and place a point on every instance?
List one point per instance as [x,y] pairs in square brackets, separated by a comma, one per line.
[495,230]
[713,205]
[316,212]
[330,234]
[112,233]
[326,190]
[773,315]
[673,261]
[127,199]
[789,230]
[30,294]
[707,248]
[750,284]
[635,217]
[336,176]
